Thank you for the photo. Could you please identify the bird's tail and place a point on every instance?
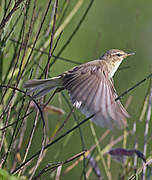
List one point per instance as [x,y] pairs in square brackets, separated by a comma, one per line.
[42,86]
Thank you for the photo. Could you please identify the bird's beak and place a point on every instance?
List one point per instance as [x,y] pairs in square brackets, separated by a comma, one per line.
[130,54]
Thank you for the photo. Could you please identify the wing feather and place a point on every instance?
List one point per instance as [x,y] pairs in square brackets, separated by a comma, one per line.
[93,92]
[77,82]
[80,90]
[81,93]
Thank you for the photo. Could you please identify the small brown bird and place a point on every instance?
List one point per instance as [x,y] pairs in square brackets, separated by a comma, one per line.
[91,89]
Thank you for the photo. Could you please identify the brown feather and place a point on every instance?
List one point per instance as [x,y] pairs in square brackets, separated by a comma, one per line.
[91,89]
[93,92]
[82,91]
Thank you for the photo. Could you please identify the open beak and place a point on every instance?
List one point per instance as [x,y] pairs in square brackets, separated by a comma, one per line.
[130,54]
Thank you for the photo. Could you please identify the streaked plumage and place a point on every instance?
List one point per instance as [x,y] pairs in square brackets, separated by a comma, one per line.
[91,89]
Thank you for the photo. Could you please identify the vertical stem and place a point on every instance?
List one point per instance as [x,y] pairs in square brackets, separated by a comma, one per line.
[100,153]
[146,130]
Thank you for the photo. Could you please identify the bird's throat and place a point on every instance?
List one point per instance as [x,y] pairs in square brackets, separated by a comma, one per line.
[112,67]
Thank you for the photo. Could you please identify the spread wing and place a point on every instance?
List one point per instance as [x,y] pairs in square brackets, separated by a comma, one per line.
[93,92]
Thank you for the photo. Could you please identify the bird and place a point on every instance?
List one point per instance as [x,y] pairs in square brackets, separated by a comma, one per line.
[91,89]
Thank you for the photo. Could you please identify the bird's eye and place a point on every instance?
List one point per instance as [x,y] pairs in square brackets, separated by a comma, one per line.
[119,54]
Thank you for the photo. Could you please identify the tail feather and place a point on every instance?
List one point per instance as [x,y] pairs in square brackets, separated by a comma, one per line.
[42,86]
[42,92]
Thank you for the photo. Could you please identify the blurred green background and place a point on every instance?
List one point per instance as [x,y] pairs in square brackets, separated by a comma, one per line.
[111,24]
[125,25]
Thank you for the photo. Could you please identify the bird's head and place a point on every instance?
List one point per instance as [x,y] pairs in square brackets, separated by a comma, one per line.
[116,55]
[113,58]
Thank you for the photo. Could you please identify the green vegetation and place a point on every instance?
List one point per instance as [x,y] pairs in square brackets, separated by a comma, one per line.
[41,39]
